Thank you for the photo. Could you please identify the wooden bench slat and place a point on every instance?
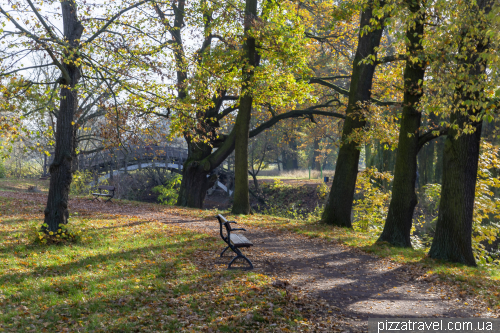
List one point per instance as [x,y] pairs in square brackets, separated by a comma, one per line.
[240,240]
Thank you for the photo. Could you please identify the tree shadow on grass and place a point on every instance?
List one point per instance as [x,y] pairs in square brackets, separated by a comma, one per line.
[125,300]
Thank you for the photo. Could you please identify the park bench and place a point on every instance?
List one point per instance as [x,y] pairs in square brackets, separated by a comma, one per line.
[110,194]
[233,241]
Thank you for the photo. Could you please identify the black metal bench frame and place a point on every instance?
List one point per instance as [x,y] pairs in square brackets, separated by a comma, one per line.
[225,224]
[110,194]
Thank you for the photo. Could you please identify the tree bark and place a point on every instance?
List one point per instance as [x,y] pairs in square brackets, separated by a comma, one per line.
[241,203]
[61,171]
[453,238]
[439,160]
[398,224]
[195,181]
[338,209]
[316,163]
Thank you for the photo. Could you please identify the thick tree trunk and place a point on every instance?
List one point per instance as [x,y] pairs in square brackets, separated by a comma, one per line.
[61,171]
[453,238]
[338,209]
[241,203]
[398,224]
[195,181]
[439,160]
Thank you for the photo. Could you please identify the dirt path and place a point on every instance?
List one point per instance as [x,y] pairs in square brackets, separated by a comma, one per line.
[355,285]
[352,285]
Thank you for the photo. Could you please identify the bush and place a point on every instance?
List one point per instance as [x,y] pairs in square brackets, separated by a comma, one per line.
[3,171]
[80,185]
[370,210]
[22,169]
[169,192]
[64,235]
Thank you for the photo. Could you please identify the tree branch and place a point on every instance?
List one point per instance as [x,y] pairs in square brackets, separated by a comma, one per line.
[114,18]
[25,68]
[345,92]
[430,135]
[45,25]
[293,114]
[397,57]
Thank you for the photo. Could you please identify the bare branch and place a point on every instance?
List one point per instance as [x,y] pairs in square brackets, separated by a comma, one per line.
[114,18]
[26,68]
[45,25]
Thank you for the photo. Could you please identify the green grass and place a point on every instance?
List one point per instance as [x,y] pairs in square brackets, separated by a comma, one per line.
[16,185]
[127,275]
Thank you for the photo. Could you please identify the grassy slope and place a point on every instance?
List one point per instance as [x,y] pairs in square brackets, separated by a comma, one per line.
[127,275]
[15,185]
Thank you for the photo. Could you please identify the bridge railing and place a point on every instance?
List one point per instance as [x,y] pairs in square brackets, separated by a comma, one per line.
[119,158]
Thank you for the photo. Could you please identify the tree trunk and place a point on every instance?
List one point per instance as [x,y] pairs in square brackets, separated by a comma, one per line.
[422,165]
[369,156]
[453,238]
[439,160]
[195,183]
[241,203]
[61,171]
[338,209]
[398,224]
[316,163]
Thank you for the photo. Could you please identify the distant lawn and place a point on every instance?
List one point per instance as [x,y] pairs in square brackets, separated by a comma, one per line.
[128,275]
[11,184]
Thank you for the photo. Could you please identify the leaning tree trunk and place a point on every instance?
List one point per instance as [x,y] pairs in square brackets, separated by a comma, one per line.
[61,171]
[399,218]
[338,209]
[453,238]
[241,203]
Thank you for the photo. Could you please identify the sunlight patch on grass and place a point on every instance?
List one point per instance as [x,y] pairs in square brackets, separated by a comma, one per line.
[128,275]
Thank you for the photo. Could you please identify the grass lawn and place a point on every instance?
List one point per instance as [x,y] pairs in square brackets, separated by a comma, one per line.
[128,275]
[15,185]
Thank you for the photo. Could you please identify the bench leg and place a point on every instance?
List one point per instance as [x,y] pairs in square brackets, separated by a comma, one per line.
[227,247]
[240,255]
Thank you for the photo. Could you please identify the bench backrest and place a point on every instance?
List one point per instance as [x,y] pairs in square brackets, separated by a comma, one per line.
[106,187]
[223,222]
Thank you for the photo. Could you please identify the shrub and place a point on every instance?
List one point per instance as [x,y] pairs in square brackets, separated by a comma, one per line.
[168,192]
[370,210]
[81,183]
[3,171]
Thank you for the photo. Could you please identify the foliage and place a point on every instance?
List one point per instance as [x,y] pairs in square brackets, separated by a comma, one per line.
[371,209]
[3,171]
[64,235]
[168,193]
[81,184]
[20,168]
[486,218]
[293,201]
